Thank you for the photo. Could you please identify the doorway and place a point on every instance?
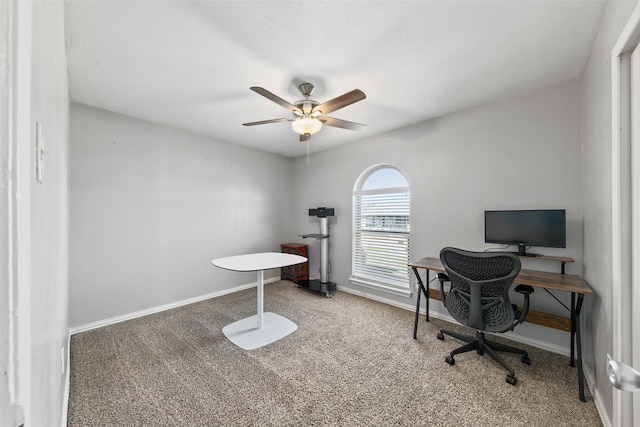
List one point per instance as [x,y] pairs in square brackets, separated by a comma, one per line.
[626,212]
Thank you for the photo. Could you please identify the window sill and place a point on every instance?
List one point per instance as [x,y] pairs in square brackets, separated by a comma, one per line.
[380,287]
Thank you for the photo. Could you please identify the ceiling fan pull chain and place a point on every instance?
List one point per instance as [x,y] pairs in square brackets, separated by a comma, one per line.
[308,161]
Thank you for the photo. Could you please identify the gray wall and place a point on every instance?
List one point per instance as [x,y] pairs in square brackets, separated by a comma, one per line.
[597,129]
[151,206]
[521,153]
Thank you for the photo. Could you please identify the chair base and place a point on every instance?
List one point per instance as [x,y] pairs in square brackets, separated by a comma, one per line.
[482,346]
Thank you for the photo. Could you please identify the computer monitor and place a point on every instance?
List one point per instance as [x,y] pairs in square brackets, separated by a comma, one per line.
[541,227]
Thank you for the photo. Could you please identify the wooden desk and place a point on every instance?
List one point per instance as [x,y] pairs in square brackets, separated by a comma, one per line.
[540,279]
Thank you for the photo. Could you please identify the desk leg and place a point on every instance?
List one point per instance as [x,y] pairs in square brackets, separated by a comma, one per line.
[260,297]
[426,294]
[415,323]
[578,308]
[572,359]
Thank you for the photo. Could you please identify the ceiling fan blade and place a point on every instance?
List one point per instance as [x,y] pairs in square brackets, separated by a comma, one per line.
[341,101]
[339,123]
[275,98]
[264,122]
[305,137]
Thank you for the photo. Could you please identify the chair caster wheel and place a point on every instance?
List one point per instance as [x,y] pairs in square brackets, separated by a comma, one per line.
[450,360]
[440,336]
[526,360]
[511,379]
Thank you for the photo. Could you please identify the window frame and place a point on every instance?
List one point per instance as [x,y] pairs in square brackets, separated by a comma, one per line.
[367,278]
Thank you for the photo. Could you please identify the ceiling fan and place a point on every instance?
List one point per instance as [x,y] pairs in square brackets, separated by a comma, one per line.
[309,115]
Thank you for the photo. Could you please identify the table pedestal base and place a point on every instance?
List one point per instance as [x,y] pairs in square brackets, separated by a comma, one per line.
[246,334]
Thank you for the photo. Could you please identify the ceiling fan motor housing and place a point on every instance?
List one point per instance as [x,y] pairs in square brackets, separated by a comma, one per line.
[306,89]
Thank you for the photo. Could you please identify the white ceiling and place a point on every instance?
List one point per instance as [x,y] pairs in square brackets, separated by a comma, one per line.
[189,64]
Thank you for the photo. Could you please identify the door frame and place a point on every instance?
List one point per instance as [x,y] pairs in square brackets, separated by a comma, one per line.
[15,211]
[621,214]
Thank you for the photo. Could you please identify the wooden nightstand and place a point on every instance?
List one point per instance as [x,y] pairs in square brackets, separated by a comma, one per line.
[299,271]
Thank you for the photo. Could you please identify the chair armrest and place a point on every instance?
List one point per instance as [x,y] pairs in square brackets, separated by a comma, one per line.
[442,277]
[525,290]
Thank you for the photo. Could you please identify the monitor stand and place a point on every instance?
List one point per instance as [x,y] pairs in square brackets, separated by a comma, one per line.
[522,251]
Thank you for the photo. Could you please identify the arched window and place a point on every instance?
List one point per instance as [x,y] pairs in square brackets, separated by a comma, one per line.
[381,203]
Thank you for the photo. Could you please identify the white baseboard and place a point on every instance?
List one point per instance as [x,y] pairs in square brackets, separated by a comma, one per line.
[152,310]
[597,398]
[67,383]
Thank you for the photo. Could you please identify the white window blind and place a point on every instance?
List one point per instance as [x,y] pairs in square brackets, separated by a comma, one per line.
[381,235]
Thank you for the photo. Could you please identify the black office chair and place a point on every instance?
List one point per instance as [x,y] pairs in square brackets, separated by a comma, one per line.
[479,298]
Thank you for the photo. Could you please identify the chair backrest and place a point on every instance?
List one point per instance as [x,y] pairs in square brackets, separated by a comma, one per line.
[479,293]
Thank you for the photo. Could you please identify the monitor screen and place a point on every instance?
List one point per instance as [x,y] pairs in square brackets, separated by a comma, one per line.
[546,228]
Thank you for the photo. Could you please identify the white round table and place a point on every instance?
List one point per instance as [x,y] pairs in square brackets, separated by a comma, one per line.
[263,328]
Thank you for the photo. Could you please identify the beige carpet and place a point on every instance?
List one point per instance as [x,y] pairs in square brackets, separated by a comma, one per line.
[352,362]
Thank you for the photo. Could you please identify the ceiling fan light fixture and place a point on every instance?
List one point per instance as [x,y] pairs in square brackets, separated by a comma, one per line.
[306,125]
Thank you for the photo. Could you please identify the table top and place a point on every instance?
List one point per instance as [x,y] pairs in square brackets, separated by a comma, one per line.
[259,261]
[541,279]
